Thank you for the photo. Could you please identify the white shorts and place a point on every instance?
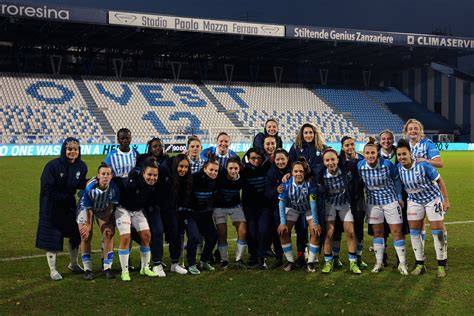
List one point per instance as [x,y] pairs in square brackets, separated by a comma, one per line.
[124,219]
[293,215]
[391,212]
[235,213]
[433,210]
[344,212]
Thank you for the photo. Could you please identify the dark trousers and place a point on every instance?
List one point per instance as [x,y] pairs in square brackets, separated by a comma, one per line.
[274,233]
[301,228]
[169,219]
[258,231]
[153,215]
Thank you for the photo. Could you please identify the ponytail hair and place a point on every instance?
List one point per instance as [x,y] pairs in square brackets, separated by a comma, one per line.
[211,158]
[371,142]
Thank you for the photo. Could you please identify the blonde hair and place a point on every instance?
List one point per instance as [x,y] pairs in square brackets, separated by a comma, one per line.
[318,141]
[405,127]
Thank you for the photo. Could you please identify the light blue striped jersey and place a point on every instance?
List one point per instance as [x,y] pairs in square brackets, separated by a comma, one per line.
[335,188]
[296,196]
[98,200]
[425,148]
[121,163]
[379,181]
[419,182]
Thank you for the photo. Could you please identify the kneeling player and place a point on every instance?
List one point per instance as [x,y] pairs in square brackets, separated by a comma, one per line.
[99,199]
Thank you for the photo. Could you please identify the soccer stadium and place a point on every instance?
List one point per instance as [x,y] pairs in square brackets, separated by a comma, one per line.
[91,73]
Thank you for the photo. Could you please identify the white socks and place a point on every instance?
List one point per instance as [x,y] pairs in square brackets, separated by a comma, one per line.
[124,254]
[400,248]
[313,253]
[145,256]
[240,250]
[379,248]
[417,244]
[288,250]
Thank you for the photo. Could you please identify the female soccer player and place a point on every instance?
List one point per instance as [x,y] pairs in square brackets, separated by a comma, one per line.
[256,207]
[273,187]
[154,149]
[193,152]
[384,201]
[269,147]
[123,159]
[228,203]
[299,199]
[60,179]
[222,151]
[339,186]
[137,192]
[387,149]
[201,222]
[424,199]
[98,200]
[271,128]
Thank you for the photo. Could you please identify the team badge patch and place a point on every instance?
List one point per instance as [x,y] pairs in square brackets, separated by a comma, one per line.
[78,174]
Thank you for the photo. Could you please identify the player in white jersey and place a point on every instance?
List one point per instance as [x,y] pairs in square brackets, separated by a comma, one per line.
[384,201]
[98,200]
[123,159]
[424,199]
[299,199]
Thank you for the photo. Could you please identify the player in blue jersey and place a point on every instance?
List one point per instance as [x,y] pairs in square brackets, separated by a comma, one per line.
[228,203]
[222,151]
[98,200]
[424,199]
[60,180]
[339,186]
[123,159]
[271,129]
[193,152]
[298,199]
[384,202]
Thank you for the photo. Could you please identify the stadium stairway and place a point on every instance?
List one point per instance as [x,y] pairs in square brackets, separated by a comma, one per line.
[220,108]
[92,106]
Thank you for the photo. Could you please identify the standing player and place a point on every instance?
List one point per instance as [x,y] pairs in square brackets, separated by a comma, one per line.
[299,199]
[196,162]
[137,192]
[123,159]
[222,151]
[99,199]
[387,149]
[269,147]
[154,149]
[384,201]
[60,179]
[270,129]
[228,203]
[424,198]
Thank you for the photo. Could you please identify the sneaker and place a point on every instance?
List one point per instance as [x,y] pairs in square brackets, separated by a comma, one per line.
[419,269]
[354,267]
[441,272]
[194,270]
[403,269]
[125,276]
[55,276]
[240,264]
[289,266]
[362,265]
[300,263]
[206,266]
[311,267]
[158,269]
[148,272]
[262,264]
[251,263]
[377,268]
[328,266]
[385,259]
[278,263]
[88,275]
[224,265]
[109,274]
[175,267]
[337,263]
[76,268]
[270,253]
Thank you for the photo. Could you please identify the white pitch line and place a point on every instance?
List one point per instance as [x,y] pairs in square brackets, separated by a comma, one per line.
[98,251]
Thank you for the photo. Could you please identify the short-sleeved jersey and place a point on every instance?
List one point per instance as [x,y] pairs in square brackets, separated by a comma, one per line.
[297,196]
[121,163]
[425,148]
[379,181]
[222,159]
[419,182]
[98,200]
[335,188]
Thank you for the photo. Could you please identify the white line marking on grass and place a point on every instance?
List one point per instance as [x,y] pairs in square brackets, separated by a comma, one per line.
[136,247]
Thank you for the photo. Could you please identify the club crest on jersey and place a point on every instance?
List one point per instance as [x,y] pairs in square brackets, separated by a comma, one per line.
[78,174]
[61,174]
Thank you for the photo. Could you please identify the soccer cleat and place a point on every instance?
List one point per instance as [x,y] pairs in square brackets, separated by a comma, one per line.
[262,264]
[278,263]
[377,268]
[311,267]
[109,274]
[158,269]
[240,264]
[224,264]
[328,267]
[88,275]
[354,267]
[74,267]
[300,263]
[403,269]
[125,276]
[206,266]
[362,265]
[148,272]
[419,269]
[289,266]
[194,270]
[55,276]
[175,267]
[441,272]
[251,263]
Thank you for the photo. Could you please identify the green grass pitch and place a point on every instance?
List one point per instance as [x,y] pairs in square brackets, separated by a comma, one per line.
[25,286]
